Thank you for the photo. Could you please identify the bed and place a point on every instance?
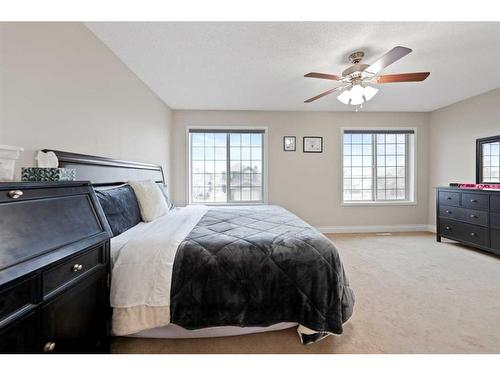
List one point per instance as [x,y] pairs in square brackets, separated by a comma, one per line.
[206,271]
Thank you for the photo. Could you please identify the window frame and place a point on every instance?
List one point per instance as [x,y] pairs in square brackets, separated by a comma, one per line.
[480,142]
[411,170]
[228,129]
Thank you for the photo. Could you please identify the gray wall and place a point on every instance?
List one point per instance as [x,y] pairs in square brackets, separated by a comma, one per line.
[61,88]
[310,184]
[452,140]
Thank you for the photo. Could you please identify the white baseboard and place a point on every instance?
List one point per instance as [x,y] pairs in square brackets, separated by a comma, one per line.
[378,228]
[431,228]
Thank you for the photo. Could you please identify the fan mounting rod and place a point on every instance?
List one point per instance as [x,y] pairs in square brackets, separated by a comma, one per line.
[357,68]
[356,57]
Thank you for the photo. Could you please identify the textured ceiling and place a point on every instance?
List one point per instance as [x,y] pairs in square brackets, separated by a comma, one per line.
[260,65]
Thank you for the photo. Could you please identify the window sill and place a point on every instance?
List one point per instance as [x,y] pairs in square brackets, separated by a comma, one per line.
[227,204]
[379,203]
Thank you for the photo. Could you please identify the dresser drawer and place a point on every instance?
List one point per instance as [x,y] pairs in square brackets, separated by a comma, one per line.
[464,214]
[464,232]
[478,201]
[61,274]
[18,297]
[495,203]
[75,321]
[449,198]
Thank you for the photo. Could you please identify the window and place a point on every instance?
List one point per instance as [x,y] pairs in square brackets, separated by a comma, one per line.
[377,165]
[226,166]
[491,162]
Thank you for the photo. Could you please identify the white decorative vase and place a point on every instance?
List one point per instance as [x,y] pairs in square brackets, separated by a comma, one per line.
[8,157]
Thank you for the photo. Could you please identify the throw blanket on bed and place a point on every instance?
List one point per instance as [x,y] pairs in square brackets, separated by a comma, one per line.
[257,266]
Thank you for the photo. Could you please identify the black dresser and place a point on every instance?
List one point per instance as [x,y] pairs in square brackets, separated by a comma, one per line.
[471,217]
[54,269]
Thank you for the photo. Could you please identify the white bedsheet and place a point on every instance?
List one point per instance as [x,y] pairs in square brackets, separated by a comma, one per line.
[143,258]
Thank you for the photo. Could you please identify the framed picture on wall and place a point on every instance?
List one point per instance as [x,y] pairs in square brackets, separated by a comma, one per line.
[289,143]
[312,144]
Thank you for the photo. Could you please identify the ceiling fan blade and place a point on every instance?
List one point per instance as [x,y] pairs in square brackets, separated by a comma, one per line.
[402,77]
[393,55]
[332,77]
[323,94]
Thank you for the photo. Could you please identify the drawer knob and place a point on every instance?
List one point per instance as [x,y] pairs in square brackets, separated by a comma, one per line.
[473,234]
[14,194]
[49,347]
[449,198]
[473,216]
[448,211]
[473,200]
[448,228]
[77,268]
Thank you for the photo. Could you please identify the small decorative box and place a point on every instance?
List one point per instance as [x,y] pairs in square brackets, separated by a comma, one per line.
[48,174]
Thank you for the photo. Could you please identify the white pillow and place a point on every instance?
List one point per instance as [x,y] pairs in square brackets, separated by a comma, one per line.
[150,198]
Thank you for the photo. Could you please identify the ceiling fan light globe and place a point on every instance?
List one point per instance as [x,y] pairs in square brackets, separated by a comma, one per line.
[357,93]
[357,101]
[345,97]
[369,92]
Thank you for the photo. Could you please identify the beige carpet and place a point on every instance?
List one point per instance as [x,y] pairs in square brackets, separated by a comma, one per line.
[413,295]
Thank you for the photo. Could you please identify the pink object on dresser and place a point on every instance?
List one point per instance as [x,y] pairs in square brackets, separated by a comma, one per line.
[480,186]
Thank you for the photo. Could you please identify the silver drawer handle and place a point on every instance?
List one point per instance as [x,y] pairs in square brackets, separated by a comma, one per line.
[448,228]
[49,347]
[473,216]
[14,194]
[77,268]
[473,234]
[448,211]
[473,200]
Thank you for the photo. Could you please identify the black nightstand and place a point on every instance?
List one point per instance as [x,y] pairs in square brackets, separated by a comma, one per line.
[54,269]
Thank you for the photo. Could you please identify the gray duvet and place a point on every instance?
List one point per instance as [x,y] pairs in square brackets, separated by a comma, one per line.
[258,266]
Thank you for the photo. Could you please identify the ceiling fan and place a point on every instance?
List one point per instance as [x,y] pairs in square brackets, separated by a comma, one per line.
[357,78]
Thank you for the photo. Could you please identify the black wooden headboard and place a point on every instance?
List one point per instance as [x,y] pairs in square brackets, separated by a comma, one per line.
[101,171]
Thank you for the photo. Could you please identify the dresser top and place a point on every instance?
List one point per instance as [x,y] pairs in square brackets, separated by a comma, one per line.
[468,191]
[41,184]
